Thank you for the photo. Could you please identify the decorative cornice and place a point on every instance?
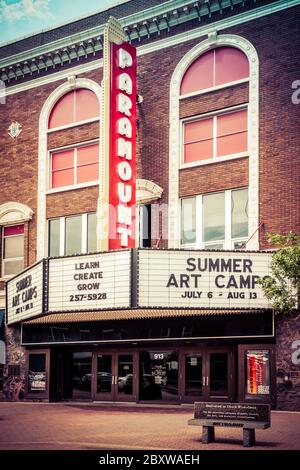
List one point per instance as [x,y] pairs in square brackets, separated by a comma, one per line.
[196,33]
[145,24]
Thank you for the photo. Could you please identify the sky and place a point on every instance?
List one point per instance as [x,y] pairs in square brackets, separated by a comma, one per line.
[20,18]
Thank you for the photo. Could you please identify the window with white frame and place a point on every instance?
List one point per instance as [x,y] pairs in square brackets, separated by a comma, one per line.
[74,108]
[213,137]
[215,69]
[216,220]
[12,250]
[72,235]
[74,166]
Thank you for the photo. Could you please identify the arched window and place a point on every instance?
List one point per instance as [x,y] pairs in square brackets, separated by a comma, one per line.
[214,98]
[76,106]
[74,165]
[222,133]
[217,67]
[215,128]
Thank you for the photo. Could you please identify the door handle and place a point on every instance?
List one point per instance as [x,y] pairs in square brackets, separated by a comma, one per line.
[207,380]
[203,381]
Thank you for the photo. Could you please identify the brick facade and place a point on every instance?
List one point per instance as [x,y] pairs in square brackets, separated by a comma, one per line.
[276,39]
[278,185]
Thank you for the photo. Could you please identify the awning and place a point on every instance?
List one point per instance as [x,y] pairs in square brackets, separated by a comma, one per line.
[133,314]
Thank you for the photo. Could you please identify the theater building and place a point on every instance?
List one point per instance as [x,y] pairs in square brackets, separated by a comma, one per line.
[207,153]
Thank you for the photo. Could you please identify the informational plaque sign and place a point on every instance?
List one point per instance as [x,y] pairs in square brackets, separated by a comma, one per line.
[100,281]
[232,412]
[25,295]
[202,279]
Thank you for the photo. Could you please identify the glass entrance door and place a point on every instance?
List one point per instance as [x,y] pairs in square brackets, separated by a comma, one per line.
[115,376]
[125,377]
[103,364]
[82,376]
[158,378]
[193,376]
[207,375]
[220,375]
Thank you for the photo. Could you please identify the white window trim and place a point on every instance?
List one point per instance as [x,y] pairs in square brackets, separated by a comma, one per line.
[174,233]
[214,159]
[84,233]
[62,236]
[73,124]
[62,232]
[215,88]
[16,258]
[200,244]
[73,186]
[43,162]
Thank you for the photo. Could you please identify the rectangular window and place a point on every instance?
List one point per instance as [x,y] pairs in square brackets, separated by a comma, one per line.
[198,140]
[188,215]
[216,136]
[12,250]
[214,217]
[73,238]
[232,133]
[54,237]
[92,233]
[75,166]
[215,221]
[239,213]
[72,235]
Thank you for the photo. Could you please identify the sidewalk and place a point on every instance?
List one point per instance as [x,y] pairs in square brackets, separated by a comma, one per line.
[90,426]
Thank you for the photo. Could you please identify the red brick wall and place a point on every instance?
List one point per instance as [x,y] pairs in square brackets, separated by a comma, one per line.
[276,40]
[213,101]
[74,135]
[72,202]
[214,177]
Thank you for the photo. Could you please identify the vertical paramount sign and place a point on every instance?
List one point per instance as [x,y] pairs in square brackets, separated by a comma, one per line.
[117,181]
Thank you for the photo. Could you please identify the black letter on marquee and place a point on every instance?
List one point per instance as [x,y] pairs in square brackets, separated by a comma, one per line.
[172,281]
[217,281]
[191,262]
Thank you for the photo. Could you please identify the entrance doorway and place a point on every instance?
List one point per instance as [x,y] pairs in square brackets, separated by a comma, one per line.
[70,376]
[155,375]
[159,376]
[115,376]
[208,375]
